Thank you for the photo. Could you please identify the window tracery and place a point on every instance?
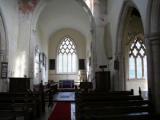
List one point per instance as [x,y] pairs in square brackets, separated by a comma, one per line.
[137,60]
[67,56]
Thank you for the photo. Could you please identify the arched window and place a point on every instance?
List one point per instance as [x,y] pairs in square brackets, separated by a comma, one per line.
[137,60]
[67,56]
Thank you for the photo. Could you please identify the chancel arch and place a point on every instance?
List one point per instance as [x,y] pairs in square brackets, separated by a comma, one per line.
[65,46]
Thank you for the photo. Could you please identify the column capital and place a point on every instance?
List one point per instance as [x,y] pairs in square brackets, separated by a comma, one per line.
[154,38]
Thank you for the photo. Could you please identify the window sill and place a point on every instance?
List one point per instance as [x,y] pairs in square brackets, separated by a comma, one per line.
[139,79]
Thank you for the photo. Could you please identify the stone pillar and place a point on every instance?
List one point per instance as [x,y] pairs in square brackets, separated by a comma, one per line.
[99,42]
[154,70]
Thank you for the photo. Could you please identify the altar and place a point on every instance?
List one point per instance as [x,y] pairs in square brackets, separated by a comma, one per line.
[66,84]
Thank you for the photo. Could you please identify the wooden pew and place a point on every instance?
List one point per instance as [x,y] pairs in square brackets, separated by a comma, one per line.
[114,113]
[46,93]
[129,92]
[20,104]
[24,106]
[51,92]
[36,100]
[101,110]
[112,107]
[6,107]
[108,97]
[115,103]
[143,116]
[100,93]
[112,110]
[7,115]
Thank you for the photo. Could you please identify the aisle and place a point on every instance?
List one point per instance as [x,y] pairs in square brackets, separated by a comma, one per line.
[64,109]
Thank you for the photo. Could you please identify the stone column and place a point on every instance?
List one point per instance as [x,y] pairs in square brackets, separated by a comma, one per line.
[153,41]
[99,43]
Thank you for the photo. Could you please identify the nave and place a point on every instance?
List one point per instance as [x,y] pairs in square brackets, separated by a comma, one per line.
[109,45]
[80,104]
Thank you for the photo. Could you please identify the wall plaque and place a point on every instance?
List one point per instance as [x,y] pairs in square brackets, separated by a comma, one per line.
[4,70]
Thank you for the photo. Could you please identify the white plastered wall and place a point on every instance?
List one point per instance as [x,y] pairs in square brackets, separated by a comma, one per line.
[22,38]
[9,13]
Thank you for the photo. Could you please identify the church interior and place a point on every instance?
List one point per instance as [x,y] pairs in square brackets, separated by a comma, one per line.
[79,60]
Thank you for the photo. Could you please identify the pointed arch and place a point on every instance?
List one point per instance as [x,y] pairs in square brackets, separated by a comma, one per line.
[67,60]
[3,53]
[126,36]
[120,79]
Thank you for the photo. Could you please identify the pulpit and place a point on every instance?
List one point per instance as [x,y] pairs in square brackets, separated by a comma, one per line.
[103,81]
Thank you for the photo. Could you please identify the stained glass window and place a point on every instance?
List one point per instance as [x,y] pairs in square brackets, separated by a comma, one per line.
[67,56]
[137,60]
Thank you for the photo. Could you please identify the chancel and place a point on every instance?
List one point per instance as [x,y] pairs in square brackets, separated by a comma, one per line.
[79,60]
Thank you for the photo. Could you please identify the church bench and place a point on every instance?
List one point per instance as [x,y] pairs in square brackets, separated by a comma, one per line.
[129,92]
[107,110]
[50,93]
[111,104]
[107,97]
[7,115]
[31,104]
[6,107]
[142,116]
[102,93]
[22,104]
[111,111]
[6,112]
[106,93]
[99,110]
[128,106]
[114,103]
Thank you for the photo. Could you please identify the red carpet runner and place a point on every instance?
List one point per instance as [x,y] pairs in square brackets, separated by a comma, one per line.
[62,111]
